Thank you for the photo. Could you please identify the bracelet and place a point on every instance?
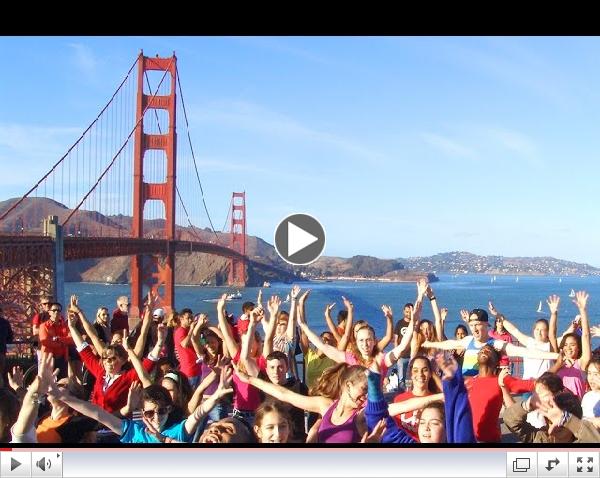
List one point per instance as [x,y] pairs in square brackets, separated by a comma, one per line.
[431,298]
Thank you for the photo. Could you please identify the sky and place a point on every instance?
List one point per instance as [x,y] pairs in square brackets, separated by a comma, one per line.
[400,146]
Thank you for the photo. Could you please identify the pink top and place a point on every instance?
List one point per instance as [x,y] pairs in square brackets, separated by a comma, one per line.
[245,396]
[572,378]
[352,360]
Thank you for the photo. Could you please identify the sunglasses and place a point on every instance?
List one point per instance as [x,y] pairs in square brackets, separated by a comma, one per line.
[150,413]
[54,310]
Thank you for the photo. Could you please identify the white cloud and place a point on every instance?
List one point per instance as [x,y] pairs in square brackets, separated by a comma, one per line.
[449,146]
[252,117]
[84,59]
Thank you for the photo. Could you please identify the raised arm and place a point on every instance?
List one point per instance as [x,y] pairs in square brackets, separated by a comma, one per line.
[228,340]
[136,362]
[88,409]
[514,331]
[312,404]
[330,325]
[345,339]
[580,301]
[223,389]
[553,302]
[439,329]
[273,305]
[256,316]
[444,345]
[196,398]
[140,343]
[72,320]
[392,356]
[389,327]
[516,351]
[160,341]
[89,329]
[333,353]
[291,325]
[302,318]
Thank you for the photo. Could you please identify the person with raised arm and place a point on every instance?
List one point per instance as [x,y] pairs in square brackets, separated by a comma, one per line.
[246,398]
[478,323]
[399,331]
[182,338]
[55,338]
[157,405]
[447,422]
[112,382]
[575,351]
[561,410]
[342,393]
[423,385]
[364,352]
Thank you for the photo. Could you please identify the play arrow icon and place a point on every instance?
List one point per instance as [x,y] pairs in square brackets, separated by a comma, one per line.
[14,464]
[298,238]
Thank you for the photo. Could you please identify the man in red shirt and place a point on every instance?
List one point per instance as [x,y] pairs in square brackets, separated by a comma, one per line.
[185,350]
[41,316]
[120,316]
[55,338]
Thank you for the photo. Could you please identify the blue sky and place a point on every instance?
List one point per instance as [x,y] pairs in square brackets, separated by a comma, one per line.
[400,146]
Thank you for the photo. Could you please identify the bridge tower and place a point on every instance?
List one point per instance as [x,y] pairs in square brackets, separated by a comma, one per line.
[143,191]
[237,267]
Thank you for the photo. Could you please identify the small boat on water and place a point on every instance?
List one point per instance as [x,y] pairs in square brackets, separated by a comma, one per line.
[539,309]
[266,284]
[233,296]
[559,280]
[572,293]
[287,299]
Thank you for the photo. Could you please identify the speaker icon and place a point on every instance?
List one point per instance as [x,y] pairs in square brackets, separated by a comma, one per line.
[43,464]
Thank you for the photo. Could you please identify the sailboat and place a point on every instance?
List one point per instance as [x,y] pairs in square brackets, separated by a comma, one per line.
[517,279]
[539,309]
[572,293]
[560,280]
[287,299]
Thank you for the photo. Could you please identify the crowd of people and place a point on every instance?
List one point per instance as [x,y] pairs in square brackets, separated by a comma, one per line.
[185,377]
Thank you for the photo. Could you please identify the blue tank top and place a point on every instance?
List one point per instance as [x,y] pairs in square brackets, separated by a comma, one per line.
[470,366]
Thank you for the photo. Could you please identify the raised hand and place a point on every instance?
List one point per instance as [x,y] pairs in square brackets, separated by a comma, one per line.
[72,318]
[377,433]
[553,302]
[491,308]
[74,304]
[134,396]
[225,381]
[303,297]
[221,303]
[259,297]
[273,305]
[443,313]
[502,375]
[202,322]
[387,311]
[429,291]
[152,430]
[577,322]
[15,379]
[349,305]
[421,287]
[295,291]
[550,410]
[242,375]
[580,300]
[464,315]
[595,330]
[329,308]
[46,373]
[125,342]
[447,364]
[161,333]
[257,314]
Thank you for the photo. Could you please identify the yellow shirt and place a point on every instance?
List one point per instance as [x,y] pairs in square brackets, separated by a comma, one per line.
[314,366]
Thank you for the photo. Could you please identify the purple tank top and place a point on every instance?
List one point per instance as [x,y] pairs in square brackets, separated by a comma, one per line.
[344,433]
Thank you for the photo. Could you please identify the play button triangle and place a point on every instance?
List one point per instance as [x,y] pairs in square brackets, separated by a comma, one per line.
[298,238]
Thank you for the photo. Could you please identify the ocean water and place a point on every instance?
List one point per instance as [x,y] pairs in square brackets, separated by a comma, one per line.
[518,300]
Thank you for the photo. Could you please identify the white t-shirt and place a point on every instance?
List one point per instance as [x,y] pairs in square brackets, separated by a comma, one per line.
[591,404]
[533,368]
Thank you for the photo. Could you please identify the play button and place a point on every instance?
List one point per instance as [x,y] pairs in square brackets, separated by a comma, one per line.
[299,239]
[14,464]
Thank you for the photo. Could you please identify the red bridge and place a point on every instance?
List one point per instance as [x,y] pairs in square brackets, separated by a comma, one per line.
[119,190]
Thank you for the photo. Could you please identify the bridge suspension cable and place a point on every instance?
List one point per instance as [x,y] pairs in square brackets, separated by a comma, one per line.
[76,144]
[153,95]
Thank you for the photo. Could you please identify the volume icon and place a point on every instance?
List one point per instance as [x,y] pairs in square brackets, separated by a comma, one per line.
[43,464]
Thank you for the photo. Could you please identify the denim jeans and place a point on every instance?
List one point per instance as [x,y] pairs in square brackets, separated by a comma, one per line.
[403,371]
